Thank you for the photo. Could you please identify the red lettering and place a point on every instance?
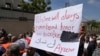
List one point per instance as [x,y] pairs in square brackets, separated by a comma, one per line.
[70,16]
[63,27]
[52,34]
[46,18]
[48,27]
[61,49]
[57,48]
[56,17]
[75,16]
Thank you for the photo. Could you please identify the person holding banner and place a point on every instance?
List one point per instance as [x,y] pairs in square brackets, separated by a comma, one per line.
[82,33]
[49,29]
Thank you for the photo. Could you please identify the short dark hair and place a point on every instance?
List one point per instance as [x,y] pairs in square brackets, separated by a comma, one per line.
[14,49]
[4,33]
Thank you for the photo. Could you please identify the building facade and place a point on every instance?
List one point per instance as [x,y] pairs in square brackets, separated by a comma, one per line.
[13,19]
[11,9]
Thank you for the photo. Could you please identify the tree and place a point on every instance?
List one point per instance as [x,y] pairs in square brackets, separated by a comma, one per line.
[93,24]
[36,6]
[24,6]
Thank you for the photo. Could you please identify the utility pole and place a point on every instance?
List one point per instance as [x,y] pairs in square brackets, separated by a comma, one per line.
[67,4]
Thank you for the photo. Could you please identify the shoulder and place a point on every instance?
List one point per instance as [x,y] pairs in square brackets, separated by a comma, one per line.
[24,54]
[96,51]
[36,54]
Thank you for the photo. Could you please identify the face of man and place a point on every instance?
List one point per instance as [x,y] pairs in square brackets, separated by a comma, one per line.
[98,43]
[13,38]
[30,51]
[2,40]
[86,38]
[20,36]
[94,38]
[82,31]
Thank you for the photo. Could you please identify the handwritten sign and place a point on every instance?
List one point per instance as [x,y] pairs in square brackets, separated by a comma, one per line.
[49,29]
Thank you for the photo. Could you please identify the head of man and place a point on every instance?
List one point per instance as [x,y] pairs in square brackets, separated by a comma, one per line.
[3,39]
[20,36]
[3,36]
[93,37]
[82,30]
[98,43]
[30,51]
[13,50]
[86,38]
[13,38]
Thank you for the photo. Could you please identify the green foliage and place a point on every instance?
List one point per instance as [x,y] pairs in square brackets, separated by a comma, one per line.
[93,24]
[36,6]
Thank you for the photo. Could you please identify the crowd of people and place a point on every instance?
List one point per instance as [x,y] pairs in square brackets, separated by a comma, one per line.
[11,45]
[88,43]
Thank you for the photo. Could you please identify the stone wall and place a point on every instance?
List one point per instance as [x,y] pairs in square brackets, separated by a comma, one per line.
[16,27]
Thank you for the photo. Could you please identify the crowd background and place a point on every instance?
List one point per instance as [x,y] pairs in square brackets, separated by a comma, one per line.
[11,45]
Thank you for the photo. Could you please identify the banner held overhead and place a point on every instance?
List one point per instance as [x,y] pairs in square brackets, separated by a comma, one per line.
[56,31]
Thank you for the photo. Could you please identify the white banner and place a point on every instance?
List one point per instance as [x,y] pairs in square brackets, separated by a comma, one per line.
[53,29]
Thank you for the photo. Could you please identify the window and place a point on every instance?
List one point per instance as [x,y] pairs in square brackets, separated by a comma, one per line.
[8,5]
[23,19]
[19,7]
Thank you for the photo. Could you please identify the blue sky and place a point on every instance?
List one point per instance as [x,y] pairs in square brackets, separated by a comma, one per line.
[91,8]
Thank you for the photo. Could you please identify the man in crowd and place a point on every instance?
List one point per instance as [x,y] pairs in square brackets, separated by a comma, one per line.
[97,50]
[81,35]
[12,50]
[30,51]
[92,44]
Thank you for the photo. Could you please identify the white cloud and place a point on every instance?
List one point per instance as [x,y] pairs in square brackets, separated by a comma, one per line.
[27,1]
[93,1]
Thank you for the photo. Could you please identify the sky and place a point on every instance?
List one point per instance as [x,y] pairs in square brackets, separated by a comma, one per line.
[91,8]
